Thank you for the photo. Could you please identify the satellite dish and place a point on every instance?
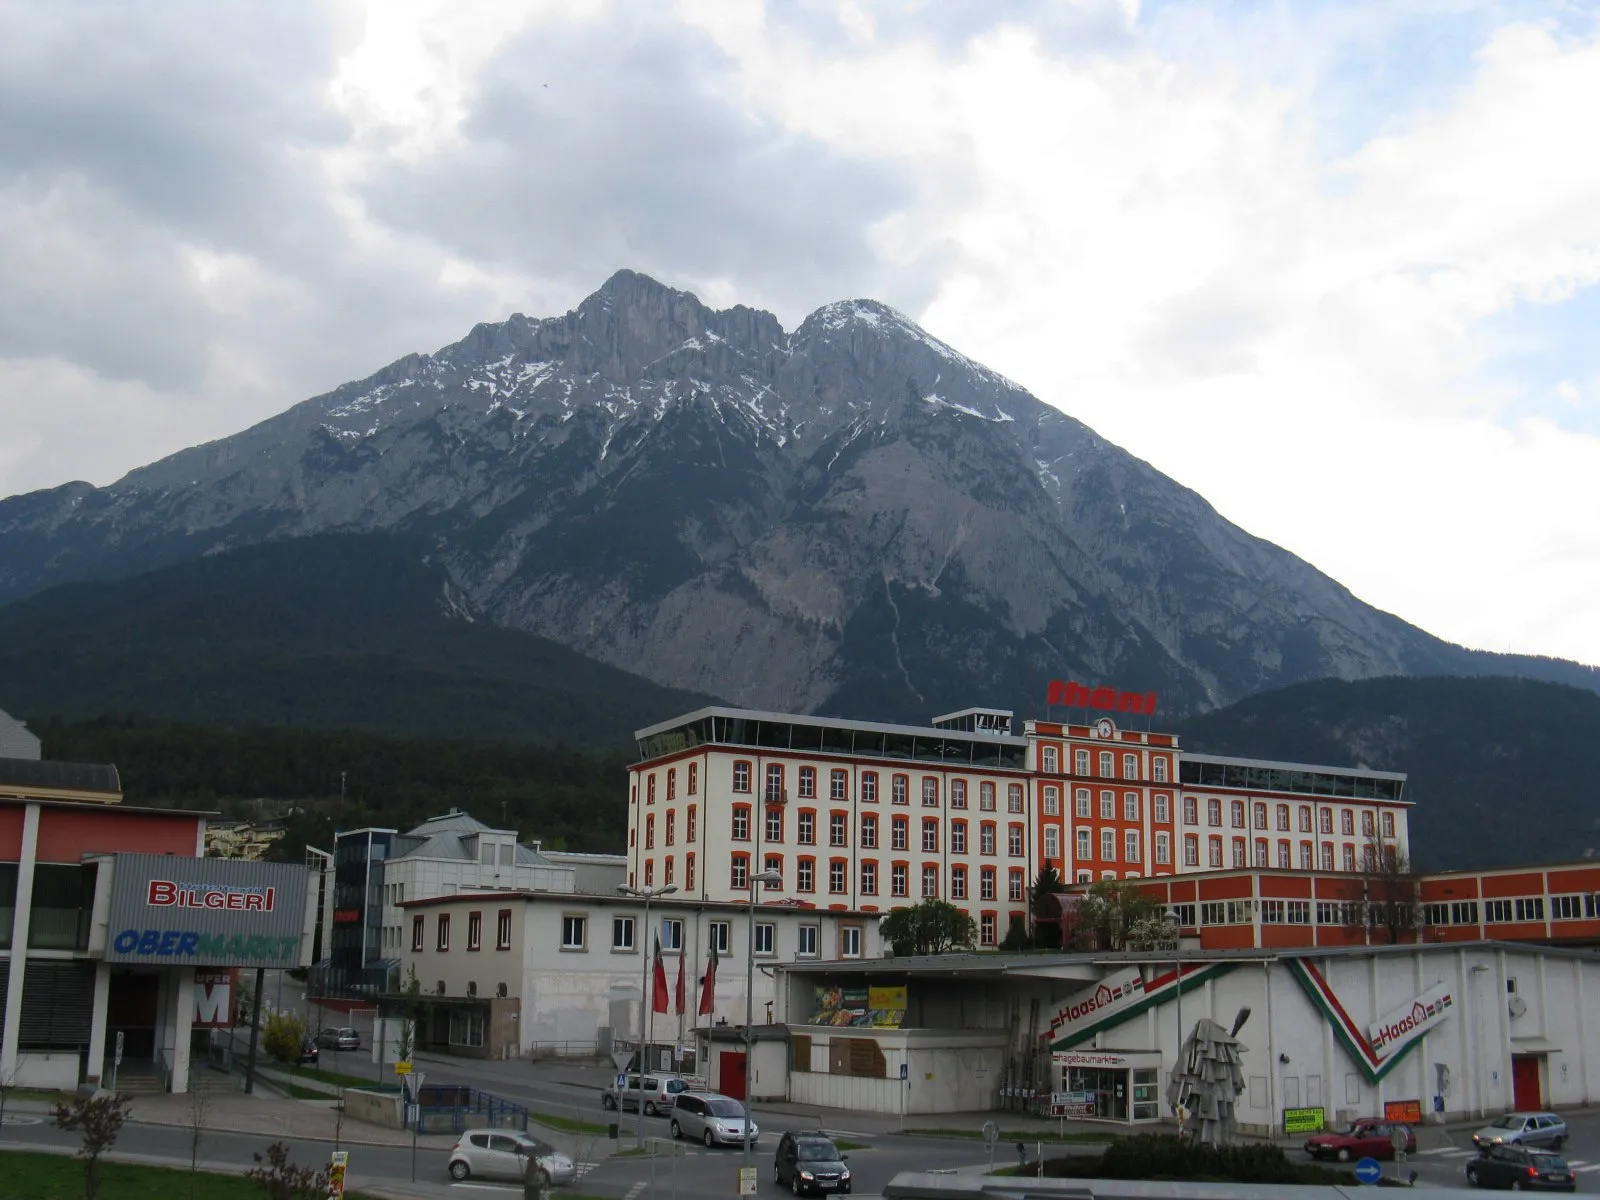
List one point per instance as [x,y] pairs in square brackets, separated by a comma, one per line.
[1516,1005]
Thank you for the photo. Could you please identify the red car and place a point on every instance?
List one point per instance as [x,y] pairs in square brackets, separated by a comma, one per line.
[1370,1137]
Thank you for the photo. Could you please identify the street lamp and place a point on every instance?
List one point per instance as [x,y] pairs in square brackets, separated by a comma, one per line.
[765,877]
[646,894]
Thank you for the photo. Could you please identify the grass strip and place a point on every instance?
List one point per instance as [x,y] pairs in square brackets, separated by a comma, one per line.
[1013,1136]
[39,1176]
[334,1077]
[568,1125]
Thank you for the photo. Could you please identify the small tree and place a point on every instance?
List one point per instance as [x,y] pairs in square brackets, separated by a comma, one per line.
[284,1037]
[1388,893]
[931,927]
[1046,909]
[1016,934]
[98,1120]
[8,1084]
[281,1179]
[1111,910]
[414,1009]
[197,1128]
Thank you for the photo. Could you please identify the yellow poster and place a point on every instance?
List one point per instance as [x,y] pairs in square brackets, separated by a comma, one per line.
[887,1006]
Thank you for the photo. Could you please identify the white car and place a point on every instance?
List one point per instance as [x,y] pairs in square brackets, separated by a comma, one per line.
[1523,1129]
[505,1154]
[711,1118]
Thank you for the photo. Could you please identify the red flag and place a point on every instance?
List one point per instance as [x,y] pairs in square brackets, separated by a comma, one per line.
[678,993]
[658,1001]
[708,986]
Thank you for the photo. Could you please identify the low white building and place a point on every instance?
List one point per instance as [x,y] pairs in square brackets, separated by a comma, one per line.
[1429,1032]
[510,973]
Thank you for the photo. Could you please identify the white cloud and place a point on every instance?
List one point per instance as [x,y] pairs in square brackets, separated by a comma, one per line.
[1264,247]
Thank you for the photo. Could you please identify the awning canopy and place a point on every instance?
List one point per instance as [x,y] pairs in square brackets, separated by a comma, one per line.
[1534,1045]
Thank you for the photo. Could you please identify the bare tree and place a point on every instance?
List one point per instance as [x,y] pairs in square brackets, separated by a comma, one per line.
[1387,898]
[197,1128]
[98,1119]
[8,1084]
[281,1179]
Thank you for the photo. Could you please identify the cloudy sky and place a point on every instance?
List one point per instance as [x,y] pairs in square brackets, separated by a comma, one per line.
[1333,265]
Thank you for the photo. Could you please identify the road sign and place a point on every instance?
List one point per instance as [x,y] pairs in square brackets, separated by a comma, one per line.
[1399,1138]
[1368,1171]
[991,1133]
[747,1181]
[622,1082]
[118,1061]
[402,1068]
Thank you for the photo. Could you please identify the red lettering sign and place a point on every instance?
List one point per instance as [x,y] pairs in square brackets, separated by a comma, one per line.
[164,893]
[1077,695]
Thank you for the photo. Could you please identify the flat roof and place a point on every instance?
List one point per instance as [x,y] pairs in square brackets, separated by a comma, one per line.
[616,898]
[751,714]
[1274,765]
[51,775]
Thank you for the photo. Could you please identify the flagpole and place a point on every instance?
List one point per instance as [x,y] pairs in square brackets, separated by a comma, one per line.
[646,1000]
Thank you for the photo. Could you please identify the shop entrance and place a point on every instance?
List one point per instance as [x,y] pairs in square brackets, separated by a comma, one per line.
[1110,1085]
[1107,1091]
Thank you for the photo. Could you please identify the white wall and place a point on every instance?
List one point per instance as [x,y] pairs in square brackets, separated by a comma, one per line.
[946,1072]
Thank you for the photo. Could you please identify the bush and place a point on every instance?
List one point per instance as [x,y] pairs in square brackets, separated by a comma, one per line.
[1165,1157]
[284,1038]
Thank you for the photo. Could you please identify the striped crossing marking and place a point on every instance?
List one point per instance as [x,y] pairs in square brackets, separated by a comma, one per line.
[1585,1169]
[634,1191]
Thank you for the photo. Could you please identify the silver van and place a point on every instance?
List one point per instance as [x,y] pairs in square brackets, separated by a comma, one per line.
[657,1091]
[711,1118]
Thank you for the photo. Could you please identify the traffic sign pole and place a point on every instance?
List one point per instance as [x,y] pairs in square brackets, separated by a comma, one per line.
[1368,1171]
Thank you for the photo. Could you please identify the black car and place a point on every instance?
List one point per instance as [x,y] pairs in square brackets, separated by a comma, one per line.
[810,1162]
[1523,1169]
[308,1052]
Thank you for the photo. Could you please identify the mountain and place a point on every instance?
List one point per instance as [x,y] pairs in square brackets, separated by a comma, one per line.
[330,631]
[850,518]
[1502,771]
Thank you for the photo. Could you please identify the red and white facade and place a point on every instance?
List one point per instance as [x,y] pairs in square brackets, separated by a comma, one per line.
[861,816]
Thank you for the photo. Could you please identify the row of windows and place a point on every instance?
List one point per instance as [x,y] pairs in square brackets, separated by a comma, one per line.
[1572,907]
[672,784]
[1132,805]
[1258,813]
[502,940]
[575,936]
[1107,762]
[1130,846]
[1284,855]
[810,876]
[775,789]
[773,830]
[691,820]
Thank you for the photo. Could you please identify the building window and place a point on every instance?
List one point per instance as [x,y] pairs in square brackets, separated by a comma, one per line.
[666,877]
[1327,856]
[739,872]
[808,942]
[1163,849]
[898,833]
[741,823]
[1080,762]
[774,830]
[869,831]
[1191,850]
[776,792]
[773,863]
[1566,908]
[958,793]
[573,931]
[930,882]
[1325,820]
[958,837]
[1214,851]
[986,929]
[869,787]
[688,872]
[1084,849]
[1107,764]
[849,941]
[1236,814]
[1158,768]
[694,779]
[1214,812]
[1130,766]
[1299,912]
[672,827]
[1214,913]
[805,875]
[442,932]
[1305,818]
[986,838]
[1081,805]
[650,789]
[838,788]
[930,791]
[836,829]
[986,797]
[1260,813]
[807,832]
[690,820]
[986,883]
[1305,856]
[1261,852]
[1347,822]
[869,877]
[1239,858]
[1162,809]
[741,776]
[719,938]
[1388,824]
[1496,912]
[930,835]
[416,934]
[1130,806]
[1108,845]
[1052,801]
[475,931]
[836,876]
[1014,797]
[1014,841]
[897,790]
[1189,811]
[808,783]
[958,883]
[764,938]
[1047,759]
[1283,818]
[650,832]
[672,933]
[672,784]
[1531,909]
[1052,842]
[1285,860]
[649,872]
[1349,858]
[1016,883]
[1272,912]
[897,880]
[1367,829]
[1108,806]
[1130,846]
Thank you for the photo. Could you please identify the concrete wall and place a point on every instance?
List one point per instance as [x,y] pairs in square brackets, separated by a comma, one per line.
[945,1072]
[47,1069]
[375,1108]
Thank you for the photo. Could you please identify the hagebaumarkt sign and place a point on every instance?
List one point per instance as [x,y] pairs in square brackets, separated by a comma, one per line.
[1098,1002]
[206,912]
[1396,1029]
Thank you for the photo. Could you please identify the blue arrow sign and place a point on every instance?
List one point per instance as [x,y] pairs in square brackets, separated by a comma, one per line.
[1368,1171]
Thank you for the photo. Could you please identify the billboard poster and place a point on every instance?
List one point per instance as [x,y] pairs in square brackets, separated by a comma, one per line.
[1394,1030]
[1116,991]
[213,997]
[206,912]
[1303,1120]
[860,1007]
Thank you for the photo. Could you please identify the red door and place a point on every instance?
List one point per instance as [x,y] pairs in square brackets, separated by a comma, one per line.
[730,1075]
[1525,1084]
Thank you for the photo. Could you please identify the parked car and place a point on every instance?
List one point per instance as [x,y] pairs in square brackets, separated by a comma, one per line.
[657,1092]
[1368,1137]
[308,1052]
[339,1039]
[810,1162]
[505,1154]
[1522,1169]
[711,1118]
[1523,1129]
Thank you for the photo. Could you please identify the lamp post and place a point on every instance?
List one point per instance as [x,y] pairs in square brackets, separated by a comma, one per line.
[646,894]
[1177,1061]
[765,877]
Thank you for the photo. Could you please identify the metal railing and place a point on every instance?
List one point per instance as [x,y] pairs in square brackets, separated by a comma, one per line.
[452,1109]
[572,1049]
